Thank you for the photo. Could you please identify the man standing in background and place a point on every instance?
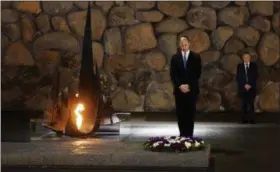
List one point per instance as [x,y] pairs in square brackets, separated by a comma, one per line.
[185,71]
[247,76]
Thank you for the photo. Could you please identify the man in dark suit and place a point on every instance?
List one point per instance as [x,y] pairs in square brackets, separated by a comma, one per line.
[185,71]
[247,76]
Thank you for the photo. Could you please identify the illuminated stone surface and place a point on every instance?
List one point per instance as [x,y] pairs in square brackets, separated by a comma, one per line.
[233,145]
[96,152]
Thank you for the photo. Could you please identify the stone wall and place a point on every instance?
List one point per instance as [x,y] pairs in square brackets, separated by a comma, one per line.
[133,43]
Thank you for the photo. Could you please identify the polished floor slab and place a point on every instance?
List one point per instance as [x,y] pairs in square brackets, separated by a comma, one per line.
[236,147]
[98,155]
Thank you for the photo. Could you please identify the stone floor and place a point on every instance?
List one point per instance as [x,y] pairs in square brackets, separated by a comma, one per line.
[96,152]
[247,149]
[235,147]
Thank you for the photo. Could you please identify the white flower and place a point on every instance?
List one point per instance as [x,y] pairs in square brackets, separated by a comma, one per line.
[155,144]
[196,144]
[167,145]
[188,145]
[172,141]
[182,138]
[202,142]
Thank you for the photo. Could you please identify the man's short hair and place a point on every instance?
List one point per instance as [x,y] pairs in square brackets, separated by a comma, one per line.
[182,38]
[246,53]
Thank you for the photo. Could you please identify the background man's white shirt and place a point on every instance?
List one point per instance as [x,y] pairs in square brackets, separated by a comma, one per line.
[246,65]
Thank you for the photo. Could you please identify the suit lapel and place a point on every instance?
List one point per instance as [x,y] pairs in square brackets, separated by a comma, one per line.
[243,69]
[189,60]
[249,68]
[180,60]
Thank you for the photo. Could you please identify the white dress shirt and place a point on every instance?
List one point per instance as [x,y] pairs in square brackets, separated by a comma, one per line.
[246,65]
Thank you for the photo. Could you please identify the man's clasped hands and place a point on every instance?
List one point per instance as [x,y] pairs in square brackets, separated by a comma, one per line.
[247,86]
[184,88]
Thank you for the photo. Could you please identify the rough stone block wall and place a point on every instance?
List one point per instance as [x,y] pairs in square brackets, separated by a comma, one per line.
[133,43]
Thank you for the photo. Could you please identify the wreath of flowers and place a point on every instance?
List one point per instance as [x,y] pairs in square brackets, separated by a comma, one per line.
[174,144]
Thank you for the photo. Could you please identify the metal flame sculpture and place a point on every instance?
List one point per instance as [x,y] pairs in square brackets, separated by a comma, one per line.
[84,108]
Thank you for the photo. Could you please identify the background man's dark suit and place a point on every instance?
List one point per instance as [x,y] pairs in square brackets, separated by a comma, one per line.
[185,102]
[247,96]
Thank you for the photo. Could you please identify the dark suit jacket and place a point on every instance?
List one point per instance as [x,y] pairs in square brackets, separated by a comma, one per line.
[253,75]
[189,75]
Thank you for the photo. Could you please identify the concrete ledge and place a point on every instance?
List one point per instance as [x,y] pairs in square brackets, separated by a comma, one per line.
[15,129]
[97,153]
[264,117]
[16,124]
[139,130]
[21,168]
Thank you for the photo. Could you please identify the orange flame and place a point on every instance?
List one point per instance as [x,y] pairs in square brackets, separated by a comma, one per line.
[78,113]
[79,117]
